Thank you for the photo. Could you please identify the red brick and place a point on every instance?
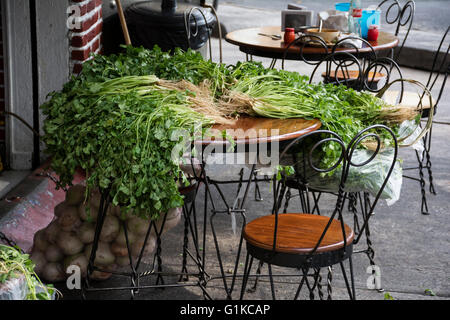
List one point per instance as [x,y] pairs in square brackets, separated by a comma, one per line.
[81,41]
[95,45]
[86,24]
[81,55]
[99,27]
[83,9]
[91,5]
[77,67]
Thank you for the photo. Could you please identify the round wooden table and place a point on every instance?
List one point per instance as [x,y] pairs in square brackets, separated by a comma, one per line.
[256,130]
[245,131]
[251,42]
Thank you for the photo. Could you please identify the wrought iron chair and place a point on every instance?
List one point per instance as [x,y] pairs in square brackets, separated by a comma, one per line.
[304,241]
[301,42]
[191,24]
[359,71]
[439,71]
[371,74]
[401,17]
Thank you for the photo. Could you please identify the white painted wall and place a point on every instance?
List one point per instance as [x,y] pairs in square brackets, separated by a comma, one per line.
[53,61]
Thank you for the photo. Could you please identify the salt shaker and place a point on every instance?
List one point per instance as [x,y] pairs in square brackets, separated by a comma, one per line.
[289,35]
[372,33]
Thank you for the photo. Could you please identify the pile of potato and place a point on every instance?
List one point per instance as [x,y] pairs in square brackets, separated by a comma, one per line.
[68,239]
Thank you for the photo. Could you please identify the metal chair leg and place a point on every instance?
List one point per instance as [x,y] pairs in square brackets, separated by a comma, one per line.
[424,205]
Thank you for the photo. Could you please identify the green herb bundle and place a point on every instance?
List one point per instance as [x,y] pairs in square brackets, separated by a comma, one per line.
[14,264]
[120,132]
[116,119]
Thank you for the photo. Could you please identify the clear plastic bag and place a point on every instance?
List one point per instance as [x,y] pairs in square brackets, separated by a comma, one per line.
[368,178]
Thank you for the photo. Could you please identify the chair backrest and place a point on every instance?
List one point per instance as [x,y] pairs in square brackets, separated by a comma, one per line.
[193,27]
[378,73]
[401,16]
[304,156]
[358,70]
[440,66]
[301,42]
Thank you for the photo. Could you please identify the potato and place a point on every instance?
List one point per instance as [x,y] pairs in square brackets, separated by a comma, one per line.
[75,195]
[138,226]
[39,260]
[138,244]
[60,208]
[113,210]
[110,229]
[95,198]
[53,253]
[53,272]
[173,218]
[119,250]
[84,215]
[69,243]
[121,239]
[79,260]
[39,241]
[103,255]
[86,232]
[52,231]
[123,261]
[69,219]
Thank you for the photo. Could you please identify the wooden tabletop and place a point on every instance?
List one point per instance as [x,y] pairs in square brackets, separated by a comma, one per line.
[255,130]
[249,41]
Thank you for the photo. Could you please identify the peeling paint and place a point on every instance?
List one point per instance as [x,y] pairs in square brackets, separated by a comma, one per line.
[33,212]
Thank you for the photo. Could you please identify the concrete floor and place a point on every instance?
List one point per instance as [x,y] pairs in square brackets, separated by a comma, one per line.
[411,248]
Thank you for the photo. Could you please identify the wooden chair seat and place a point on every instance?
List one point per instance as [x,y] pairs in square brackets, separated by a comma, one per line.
[297,233]
[410,99]
[351,75]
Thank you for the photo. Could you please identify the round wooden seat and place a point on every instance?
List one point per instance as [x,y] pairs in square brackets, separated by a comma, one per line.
[353,75]
[297,235]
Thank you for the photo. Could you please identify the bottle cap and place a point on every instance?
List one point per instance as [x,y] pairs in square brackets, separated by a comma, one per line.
[374,26]
[357,13]
[289,29]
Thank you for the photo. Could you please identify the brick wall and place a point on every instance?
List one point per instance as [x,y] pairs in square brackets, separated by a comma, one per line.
[86,38]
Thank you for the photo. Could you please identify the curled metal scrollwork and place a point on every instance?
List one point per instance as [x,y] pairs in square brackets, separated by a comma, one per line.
[192,27]
[400,16]
[301,42]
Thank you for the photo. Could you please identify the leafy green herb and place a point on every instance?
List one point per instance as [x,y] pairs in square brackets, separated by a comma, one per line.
[13,264]
[429,292]
[388,296]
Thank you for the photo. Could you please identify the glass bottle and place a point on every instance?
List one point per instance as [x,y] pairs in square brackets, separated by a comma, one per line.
[354,17]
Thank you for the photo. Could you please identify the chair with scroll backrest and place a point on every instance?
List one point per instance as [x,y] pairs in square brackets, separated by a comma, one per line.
[301,42]
[194,20]
[309,242]
[360,70]
[401,17]
[418,100]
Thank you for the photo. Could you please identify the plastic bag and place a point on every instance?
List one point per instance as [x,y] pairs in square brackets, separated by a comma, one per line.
[333,19]
[368,178]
